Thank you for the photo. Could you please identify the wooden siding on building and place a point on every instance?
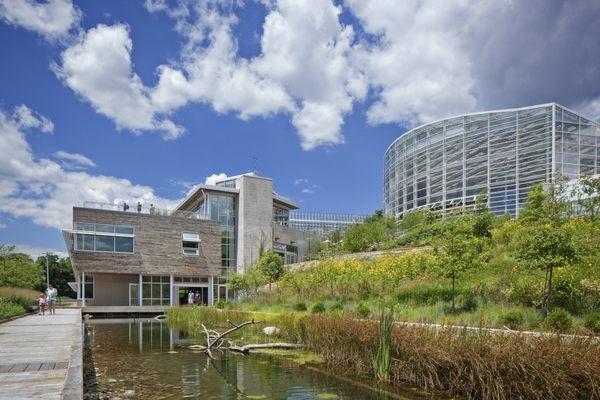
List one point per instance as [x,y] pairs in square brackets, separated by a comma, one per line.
[157,245]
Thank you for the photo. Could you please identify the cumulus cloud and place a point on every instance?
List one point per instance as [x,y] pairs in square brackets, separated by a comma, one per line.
[99,68]
[414,61]
[53,19]
[27,118]
[44,191]
[214,178]
[74,160]
[35,251]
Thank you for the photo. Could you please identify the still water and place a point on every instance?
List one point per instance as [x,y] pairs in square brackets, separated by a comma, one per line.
[145,359]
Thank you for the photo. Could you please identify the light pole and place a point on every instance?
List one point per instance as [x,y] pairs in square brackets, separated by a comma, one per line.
[47,270]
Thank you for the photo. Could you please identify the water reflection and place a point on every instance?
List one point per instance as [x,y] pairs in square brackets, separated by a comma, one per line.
[153,361]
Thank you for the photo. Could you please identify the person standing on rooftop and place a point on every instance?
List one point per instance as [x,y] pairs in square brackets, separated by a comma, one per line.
[139,207]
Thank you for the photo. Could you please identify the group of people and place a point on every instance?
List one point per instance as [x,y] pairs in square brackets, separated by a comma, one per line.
[152,209]
[193,297]
[48,300]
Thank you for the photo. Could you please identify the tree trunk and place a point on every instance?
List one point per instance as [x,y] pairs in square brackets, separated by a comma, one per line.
[453,305]
[549,298]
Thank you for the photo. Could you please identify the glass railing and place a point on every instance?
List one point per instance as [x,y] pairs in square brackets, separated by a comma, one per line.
[145,209]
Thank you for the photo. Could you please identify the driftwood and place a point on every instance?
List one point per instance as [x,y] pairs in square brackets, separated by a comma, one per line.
[215,340]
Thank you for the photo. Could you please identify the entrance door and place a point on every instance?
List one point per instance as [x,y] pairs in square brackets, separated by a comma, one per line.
[133,294]
[199,295]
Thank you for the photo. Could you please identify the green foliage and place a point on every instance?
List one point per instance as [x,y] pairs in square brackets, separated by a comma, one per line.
[592,322]
[513,319]
[224,304]
[362,309]
[61,273]
[337,307]
[362,237]
[416,219]
[318,307]
[587,196]
[270,264]
[19,270]
[299,306]
[559,320]
[534,208]
[248,282]
[8,310]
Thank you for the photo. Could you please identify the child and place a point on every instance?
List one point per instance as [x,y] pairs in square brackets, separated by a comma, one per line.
[42,304]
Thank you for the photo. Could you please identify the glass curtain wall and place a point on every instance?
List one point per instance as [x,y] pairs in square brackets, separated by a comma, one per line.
[444,165]
[222,208]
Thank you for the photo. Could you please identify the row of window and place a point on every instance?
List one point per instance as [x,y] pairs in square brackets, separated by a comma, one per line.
[111,244]
[103,228]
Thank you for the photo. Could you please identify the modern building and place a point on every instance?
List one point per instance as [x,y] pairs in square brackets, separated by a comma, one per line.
[445,164]
[155,257]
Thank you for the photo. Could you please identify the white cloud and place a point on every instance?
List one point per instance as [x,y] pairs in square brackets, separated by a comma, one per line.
[74,160]
[53,19]
[99,68]
[27,118]
[300,181]
[214,178]
[591,109]
[44,191]
[35,251]
[418,66]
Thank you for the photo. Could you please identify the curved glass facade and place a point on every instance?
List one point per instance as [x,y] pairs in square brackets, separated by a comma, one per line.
[445,164]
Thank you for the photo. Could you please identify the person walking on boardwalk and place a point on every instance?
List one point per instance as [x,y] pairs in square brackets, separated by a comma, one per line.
[51,295]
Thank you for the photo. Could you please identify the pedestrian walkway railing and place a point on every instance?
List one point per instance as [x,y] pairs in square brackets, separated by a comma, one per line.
[145,209]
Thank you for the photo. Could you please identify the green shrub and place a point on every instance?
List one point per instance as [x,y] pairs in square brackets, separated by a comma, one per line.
[362,309]
[223,304]
[21,300]
[559,320]
[337,307]
[513,319]
[467,303]
[299,306]
[318,307]
[8,310]
[592,322]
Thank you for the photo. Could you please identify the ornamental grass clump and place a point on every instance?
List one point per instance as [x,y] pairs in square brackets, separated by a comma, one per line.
[474,365]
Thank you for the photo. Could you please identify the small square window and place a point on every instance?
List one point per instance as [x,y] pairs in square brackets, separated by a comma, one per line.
[191,248]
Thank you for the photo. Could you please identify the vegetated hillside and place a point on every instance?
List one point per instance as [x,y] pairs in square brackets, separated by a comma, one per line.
[540,271]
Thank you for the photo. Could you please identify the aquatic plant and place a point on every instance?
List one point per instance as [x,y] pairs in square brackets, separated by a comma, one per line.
[381,358]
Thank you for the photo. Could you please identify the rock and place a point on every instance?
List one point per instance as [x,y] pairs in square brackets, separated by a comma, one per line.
[129,393]
[111,380]
[270,330]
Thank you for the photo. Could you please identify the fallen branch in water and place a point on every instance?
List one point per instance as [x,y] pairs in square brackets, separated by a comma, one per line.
[215,340]
[246,349]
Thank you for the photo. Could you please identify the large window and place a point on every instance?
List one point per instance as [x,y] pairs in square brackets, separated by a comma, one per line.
[89,287]
[281,215]
[104,238]
[156,290]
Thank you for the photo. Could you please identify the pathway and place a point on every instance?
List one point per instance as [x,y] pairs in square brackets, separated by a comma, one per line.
[41,356]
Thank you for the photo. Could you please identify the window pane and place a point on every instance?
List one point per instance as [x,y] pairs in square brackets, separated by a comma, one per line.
[84,227]
[124,229]
[105,243]
[124,244]
[105,228]
[88,242]
[79,242]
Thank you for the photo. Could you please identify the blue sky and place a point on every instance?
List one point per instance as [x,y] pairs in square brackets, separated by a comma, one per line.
[117,100]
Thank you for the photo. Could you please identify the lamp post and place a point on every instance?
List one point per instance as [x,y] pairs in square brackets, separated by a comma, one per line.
[47,270]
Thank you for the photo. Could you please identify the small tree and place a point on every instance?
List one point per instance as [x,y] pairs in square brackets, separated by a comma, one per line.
[484,219]
[462,252]
[271,265]
[587,194]
[534,207]
[545,247]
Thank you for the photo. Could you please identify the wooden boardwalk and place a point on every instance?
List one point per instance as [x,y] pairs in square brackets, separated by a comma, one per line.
[41,356]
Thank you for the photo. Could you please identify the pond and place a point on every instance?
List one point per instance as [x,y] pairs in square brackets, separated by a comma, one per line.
[146,359]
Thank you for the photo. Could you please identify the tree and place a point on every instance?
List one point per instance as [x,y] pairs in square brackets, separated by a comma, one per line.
[361,237]
[61,273]
[534,207]
[546,247]
[271,266]
[483,220]
[19,270]
[587,195]
[462,252]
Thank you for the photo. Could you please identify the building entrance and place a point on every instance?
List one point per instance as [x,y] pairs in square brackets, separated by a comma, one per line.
[197,294]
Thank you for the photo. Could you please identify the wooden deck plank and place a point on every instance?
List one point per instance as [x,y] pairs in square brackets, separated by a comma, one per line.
[35,352]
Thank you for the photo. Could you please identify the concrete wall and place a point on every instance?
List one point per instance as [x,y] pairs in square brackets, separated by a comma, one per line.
[255,213]
[157,245]
[111,289]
